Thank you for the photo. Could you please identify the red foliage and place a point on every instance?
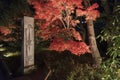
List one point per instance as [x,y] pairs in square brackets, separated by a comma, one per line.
[59,25]
[77,48]
[52,9]
[74,47]
[91,13]
[5,31]
[46,11]
[76,34]
[58,44]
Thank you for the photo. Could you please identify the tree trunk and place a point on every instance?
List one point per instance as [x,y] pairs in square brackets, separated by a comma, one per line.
[92,42]
[91,39]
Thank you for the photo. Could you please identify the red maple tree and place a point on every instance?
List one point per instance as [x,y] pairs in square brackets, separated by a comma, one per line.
[58,25]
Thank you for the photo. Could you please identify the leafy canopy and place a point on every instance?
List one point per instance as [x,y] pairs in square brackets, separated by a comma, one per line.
[57,22]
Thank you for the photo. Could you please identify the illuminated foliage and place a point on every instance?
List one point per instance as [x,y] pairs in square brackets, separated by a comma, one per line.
[5,32]
[58,23]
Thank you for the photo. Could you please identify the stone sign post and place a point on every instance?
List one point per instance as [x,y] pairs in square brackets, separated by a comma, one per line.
[28,44]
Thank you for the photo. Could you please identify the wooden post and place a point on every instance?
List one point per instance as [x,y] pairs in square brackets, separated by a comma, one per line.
[28,44]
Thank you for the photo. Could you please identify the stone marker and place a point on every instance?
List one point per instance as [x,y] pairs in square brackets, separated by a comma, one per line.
[28,44]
